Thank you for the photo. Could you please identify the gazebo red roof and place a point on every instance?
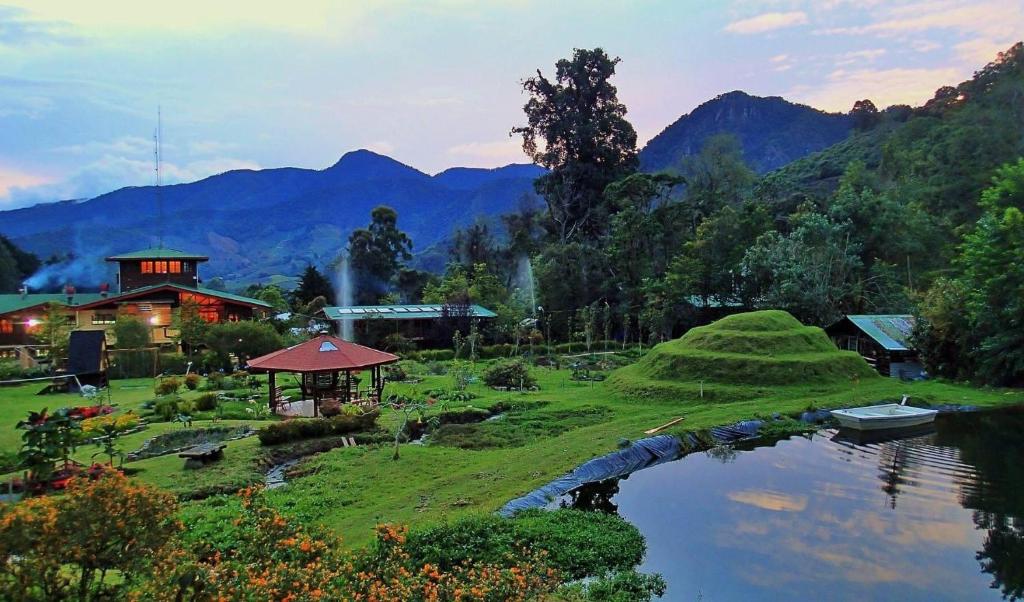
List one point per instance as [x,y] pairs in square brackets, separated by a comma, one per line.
[322,354]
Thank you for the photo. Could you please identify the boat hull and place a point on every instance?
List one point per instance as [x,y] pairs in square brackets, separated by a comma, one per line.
[888,416]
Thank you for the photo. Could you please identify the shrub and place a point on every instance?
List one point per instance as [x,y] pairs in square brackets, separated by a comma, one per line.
[272,556]
[192,381]
[166,408]
[206,402]
[11,370]
[46,543]
[395,373]
[168,385]
[173,363]
[349,421]
[121,422]
[509,374]
[579,544]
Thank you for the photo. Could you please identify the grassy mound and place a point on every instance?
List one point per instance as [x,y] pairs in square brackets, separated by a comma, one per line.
[738,354]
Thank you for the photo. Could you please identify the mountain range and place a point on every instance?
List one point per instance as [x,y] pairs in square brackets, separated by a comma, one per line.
[266,225]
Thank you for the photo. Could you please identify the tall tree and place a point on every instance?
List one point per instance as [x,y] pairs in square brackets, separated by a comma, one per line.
[716,176]
[577,128]
[376,254]
[312,284]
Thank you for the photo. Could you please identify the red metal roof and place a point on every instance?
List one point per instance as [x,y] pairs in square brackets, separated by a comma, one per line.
[322,354]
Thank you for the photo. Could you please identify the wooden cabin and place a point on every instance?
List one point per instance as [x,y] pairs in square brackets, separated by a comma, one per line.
[882,340]
[426,324]
[151,285]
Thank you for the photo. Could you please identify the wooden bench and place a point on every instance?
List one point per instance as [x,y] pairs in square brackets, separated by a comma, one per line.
[202,454]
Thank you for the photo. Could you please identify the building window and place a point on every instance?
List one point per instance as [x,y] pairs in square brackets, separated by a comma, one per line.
[6,327]
[103,318]
[174,267]
[160,267]
[186,267]
[147,267]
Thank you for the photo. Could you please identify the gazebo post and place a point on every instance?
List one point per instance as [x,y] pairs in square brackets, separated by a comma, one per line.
[272,384]
[348,386]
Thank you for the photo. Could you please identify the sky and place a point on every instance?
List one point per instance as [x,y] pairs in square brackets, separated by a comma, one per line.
[432,83]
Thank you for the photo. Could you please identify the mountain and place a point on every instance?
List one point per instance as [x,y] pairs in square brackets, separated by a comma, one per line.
[771,130]
[941,155]
[265,225]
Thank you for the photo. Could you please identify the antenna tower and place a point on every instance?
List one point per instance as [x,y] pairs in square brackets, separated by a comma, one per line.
[157,159]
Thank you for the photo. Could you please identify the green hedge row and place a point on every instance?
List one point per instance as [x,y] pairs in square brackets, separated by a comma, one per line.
[298,429]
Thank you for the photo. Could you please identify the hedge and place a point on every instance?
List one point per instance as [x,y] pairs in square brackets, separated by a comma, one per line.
[309,428]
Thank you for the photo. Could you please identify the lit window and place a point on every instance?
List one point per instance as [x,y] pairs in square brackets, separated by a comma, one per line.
[6,326]
[174,267]
[147,267]
[160,267]
[103,318]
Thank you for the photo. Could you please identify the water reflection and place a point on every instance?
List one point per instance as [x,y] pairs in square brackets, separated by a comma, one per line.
[937,516]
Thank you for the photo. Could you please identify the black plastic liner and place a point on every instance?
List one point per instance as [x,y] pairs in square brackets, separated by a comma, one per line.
[641,454]
[740,431]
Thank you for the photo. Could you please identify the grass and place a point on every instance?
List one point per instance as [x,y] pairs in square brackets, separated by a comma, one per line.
[756,349]
[476,468]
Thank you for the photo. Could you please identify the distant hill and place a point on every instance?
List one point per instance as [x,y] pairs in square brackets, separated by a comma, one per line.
[941,154]
[259,224]
[771,130]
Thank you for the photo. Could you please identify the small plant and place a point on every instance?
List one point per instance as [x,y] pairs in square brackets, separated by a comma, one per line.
[406,407]
[460,374]
[167,407]
[107,441]
[192,381]
[206,402]
[168,385]
[394,373]
[512,374]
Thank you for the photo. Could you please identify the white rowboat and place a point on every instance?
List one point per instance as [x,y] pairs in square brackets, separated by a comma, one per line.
[886,416]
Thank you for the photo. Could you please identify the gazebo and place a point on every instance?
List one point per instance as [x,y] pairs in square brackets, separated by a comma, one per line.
[320,362]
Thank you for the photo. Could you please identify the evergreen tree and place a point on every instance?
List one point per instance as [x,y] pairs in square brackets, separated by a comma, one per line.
[312,284]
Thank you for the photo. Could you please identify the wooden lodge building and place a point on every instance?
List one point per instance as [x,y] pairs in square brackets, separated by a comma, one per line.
[882,340]
[151,284]
[425,324]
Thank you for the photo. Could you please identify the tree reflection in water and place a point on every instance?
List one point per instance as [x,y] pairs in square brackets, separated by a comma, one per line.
[594,496]
[993,443]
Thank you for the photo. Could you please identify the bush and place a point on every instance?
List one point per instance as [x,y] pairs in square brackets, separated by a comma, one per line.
[168,385]
[173,363]
[349,421]
[49,543]
[167,407]
[579,544]
[206,402]
[192,381]
[434,355]
[394,373]
[509,374]
[12,370]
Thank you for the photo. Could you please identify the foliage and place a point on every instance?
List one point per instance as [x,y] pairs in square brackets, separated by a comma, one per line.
[577,128]
[512,374]
[100,526]
[245,339]
[351,420]
[992,264]
[312,285]
[273,556]
[16,265]
[131,332]
[517,427]
[376,255]
[190,325]
[942,333]
[624,586]
[48,438]
[192,381]
[167,385]
[206,402]
[578,544]
[55,331]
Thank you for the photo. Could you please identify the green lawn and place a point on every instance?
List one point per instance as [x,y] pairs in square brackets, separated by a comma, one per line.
[351,489]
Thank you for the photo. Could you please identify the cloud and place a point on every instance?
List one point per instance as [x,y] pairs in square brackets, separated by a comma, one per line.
[767,22]
[488,153]
[994,18]
[382,147]
[12,178]
[111,172]
[769,500]
[19,29]
[883,86]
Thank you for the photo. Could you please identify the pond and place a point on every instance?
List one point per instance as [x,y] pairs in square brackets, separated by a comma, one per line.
[938,516]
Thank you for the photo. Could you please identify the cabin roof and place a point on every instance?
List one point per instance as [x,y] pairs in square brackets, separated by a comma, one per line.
[142,290]
[398,312]
[324,353]
[10,303]
[891,331]
[157,253]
